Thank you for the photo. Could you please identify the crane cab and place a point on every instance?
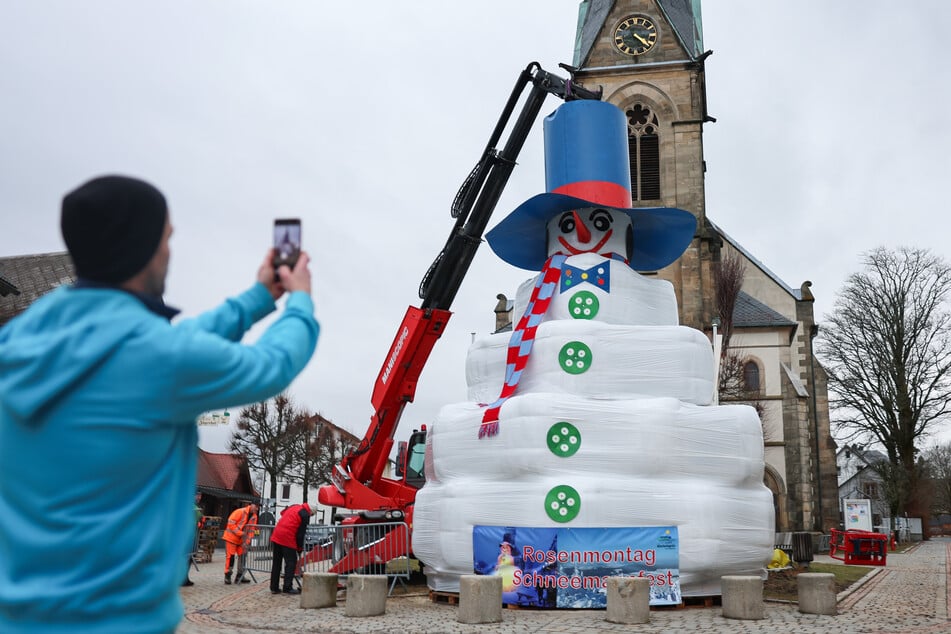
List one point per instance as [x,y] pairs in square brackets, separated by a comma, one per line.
[410,459]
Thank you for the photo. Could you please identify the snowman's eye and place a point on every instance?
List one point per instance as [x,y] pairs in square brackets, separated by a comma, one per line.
[567,222]
[601,219]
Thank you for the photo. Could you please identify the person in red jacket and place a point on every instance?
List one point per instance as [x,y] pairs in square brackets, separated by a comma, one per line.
[237,538]
[288,541]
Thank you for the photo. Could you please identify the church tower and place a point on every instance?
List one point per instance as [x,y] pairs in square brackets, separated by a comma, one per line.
[648,57]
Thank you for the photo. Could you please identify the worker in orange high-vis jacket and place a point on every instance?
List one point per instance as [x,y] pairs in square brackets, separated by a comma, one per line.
[237,538]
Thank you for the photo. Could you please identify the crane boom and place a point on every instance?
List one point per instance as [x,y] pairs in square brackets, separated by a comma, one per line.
[358,481]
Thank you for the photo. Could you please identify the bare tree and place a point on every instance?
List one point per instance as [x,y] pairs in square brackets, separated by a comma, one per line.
[938,461]
[331,445]
[318,448]
[887,352]
[303,469]
[728,279]
[729,274]
[895,486]
[265,435]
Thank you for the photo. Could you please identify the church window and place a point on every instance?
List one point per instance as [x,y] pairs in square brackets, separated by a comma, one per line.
[644,146]
[751,376]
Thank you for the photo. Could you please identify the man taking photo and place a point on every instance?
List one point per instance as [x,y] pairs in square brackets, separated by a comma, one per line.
[99,394]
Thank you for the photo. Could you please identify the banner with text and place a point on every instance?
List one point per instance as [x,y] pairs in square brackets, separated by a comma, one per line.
[569,567]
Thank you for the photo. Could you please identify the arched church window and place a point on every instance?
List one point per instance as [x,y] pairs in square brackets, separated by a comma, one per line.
[751,376]
[644,146]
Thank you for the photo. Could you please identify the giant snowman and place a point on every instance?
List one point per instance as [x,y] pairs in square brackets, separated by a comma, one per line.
[595,412]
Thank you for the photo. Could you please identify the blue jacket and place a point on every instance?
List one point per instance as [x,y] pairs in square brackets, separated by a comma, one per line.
[98,447]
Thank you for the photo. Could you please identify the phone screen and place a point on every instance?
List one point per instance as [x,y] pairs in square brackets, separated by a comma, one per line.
[287,241]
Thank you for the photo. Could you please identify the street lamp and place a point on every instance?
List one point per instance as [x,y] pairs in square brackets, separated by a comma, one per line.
[813,332]
[717,347]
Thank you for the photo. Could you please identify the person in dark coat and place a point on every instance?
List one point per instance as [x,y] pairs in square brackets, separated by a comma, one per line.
[288,541]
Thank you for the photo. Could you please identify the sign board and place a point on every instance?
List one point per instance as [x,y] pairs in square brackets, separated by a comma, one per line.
[909,527]
[858,514]
[569,567]
[215,418]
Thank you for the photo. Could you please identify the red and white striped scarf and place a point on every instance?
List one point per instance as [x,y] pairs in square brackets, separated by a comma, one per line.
[522,340]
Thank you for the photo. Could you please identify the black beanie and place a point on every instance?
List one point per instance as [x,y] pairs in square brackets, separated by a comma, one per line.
[112,226]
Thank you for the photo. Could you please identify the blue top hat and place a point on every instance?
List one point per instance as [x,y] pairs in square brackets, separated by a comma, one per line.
[587,165]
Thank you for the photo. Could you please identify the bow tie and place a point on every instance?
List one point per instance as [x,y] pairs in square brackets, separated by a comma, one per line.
[598,275]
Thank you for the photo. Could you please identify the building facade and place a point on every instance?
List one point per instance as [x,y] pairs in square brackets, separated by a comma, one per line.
[858,480]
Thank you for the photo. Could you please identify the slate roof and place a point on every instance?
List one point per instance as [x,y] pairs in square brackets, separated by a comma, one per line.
[683,15]
[591,17]
[25,278]
[7,287]
[752,313]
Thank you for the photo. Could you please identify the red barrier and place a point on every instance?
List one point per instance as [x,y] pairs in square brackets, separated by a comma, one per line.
[857,547]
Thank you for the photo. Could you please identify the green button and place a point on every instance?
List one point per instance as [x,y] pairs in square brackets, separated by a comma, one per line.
[583,305]
[564,439]
[562,503]
[575,357]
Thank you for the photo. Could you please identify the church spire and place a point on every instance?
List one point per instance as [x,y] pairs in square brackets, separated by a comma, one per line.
[683,16]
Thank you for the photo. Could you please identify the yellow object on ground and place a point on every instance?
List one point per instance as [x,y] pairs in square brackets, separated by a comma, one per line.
[780,559]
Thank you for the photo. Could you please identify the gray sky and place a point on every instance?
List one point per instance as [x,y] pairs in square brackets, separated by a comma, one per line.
[831,139]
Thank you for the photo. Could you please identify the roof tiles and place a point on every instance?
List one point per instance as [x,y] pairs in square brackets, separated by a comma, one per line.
[31,277]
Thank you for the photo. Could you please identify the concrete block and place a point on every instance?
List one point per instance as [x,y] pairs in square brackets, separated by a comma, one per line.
[742,597]
[817,593]
[366,595]
[318,590]
[480,599]
[628,600]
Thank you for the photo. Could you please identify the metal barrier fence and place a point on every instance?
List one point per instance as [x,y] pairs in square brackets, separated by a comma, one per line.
[359,548]
[341,548]
[259,554]
[194,555]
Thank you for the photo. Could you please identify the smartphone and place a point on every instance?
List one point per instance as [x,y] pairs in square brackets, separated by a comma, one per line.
[286,241]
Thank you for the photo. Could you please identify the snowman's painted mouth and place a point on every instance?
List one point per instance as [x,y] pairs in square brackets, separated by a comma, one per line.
[573,251]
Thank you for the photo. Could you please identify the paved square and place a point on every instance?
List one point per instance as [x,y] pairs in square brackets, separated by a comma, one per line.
[909,595]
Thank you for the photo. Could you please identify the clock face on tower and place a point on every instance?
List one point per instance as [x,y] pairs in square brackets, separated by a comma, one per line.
[635,35]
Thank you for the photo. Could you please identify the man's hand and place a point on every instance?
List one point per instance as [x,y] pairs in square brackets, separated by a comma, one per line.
[285,279]
[267,276]
[299,278]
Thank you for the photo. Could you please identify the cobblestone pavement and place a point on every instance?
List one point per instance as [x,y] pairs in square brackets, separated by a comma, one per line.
[910,595]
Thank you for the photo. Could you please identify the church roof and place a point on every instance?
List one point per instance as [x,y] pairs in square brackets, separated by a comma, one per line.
[683,15]
[752,313]
[797,293]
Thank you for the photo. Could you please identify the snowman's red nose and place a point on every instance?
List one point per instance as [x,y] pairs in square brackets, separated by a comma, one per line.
[584,235]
